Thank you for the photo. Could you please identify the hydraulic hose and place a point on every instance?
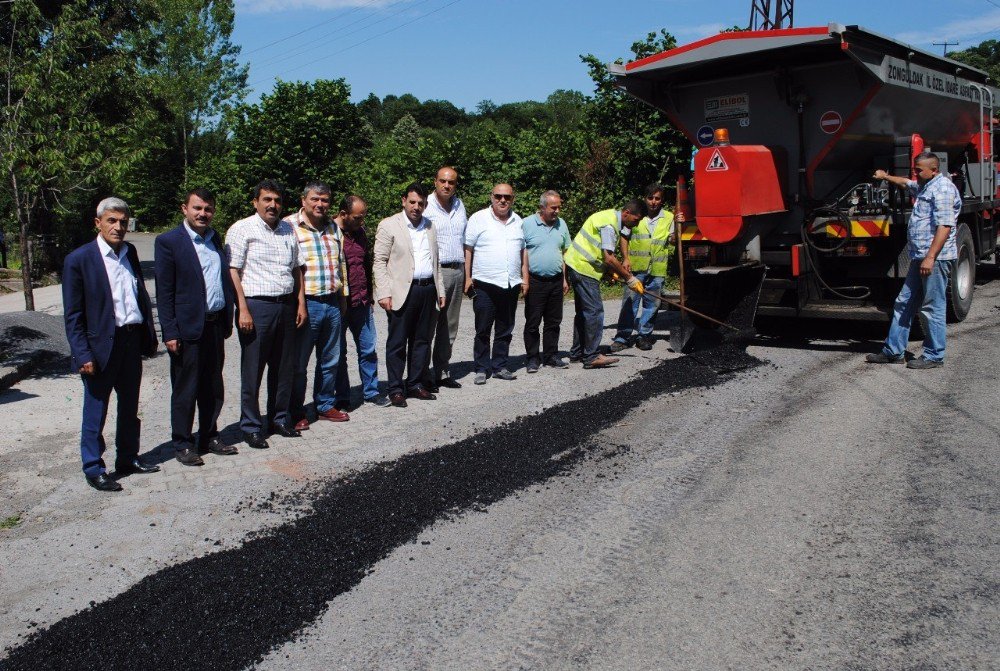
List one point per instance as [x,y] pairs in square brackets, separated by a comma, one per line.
[811,246]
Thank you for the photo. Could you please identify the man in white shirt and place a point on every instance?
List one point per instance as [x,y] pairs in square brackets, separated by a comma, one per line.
[408,287]
[446,211]
[496,271]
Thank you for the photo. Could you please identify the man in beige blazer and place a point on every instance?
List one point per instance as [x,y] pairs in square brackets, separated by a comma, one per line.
[409,288]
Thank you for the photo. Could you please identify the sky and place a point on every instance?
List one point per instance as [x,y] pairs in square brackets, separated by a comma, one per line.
[466,51]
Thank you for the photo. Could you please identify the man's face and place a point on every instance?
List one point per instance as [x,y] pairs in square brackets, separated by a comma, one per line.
[550,212]
[654,202]
[925,171]
[502,200]
[445,184]
[413,206]
[316,205]
[112,226]
[629,219]
[354,219]
[268,206]
[198,213]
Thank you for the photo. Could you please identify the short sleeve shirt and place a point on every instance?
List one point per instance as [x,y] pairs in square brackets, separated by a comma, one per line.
[266,258]
[497,248]
[936,203]
[545,245]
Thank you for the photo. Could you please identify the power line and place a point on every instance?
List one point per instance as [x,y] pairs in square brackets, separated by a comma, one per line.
[358,44]
[994,3]
[306,30]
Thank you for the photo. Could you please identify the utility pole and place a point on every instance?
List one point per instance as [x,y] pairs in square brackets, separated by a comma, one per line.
[944,46]
[771,14]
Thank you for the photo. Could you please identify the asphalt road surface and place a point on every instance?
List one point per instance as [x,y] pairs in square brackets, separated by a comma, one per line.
[794,509]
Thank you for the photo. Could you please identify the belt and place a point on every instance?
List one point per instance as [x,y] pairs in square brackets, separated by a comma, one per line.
[212,316]
[423,282]
[325,298]
[128,328]
[545,278]
[286,298]
[453,265]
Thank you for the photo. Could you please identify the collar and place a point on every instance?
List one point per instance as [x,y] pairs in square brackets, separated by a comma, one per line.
[456,202]
[260,220]
[195,236]
[511,218]
[541,222]
[107,251]
[300,219]
[422,226]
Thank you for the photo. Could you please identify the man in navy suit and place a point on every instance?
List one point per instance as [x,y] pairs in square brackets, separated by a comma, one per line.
[109,325]
[194,295]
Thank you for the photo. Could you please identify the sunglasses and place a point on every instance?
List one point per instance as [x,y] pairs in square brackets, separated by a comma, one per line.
[503,196]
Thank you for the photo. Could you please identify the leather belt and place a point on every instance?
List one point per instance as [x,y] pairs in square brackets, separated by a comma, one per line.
[212,316]
[423,282]
[325,298]
[545,278]
[453,265]
[286,298]
[128,328]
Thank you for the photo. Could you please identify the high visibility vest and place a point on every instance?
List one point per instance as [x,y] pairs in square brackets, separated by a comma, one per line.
[584,254]
[650,251]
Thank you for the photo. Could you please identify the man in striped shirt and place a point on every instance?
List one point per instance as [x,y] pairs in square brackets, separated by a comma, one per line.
[324,274]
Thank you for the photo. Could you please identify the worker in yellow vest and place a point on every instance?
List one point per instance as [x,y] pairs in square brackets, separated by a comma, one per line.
[647,251]
[589,257]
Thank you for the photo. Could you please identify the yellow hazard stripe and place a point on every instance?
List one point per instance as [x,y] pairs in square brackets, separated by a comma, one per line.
[860,228]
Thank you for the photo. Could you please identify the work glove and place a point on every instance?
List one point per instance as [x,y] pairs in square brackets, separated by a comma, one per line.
[635,285]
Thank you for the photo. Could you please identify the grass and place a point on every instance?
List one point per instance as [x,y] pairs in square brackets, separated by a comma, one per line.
[10,522]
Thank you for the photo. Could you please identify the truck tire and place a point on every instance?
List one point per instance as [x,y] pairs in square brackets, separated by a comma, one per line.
[962,283]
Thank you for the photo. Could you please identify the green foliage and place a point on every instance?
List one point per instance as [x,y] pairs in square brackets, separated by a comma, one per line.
[986,57]
[10,522]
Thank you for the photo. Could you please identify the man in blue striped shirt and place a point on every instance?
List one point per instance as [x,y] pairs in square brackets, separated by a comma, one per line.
[931,235]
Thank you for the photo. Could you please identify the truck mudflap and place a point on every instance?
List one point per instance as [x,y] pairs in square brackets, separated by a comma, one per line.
[729,294]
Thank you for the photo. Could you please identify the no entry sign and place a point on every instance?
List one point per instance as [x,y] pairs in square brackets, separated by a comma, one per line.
[831,122]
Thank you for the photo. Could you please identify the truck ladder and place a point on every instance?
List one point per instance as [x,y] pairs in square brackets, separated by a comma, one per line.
[987,173]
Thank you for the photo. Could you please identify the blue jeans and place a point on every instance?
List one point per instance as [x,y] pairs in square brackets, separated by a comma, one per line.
[588,324]
[361,321]
[637,313]
[322,334]
[929,294]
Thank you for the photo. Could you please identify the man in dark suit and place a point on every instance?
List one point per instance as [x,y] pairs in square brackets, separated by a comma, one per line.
[194,295]
[109,325]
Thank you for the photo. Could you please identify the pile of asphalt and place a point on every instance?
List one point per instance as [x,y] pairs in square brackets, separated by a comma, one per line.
[228,609]
[33,342]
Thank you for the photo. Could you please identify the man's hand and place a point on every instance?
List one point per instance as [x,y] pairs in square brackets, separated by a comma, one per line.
[565,287]
[468,286]
[627,265]
[301,316]
[442,300]
[88,368]
[173,346]
[524,288]
[246,321]
[927,266]
[881,174]
[386,304]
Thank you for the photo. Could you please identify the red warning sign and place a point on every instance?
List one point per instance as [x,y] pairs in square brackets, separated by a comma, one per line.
[831,122]
[716,163]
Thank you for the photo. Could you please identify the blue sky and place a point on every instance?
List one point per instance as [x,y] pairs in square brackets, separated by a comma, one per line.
[510,50]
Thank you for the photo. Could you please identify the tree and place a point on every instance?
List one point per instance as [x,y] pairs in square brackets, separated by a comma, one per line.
[986,57]
[66,72]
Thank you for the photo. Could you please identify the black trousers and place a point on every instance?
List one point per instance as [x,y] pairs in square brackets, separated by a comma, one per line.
[271,343]
[544,299]
[408,344]
[495,308]
[196,380]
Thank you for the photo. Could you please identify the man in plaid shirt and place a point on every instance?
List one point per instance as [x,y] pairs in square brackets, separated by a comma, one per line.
[324,274]
[931,234]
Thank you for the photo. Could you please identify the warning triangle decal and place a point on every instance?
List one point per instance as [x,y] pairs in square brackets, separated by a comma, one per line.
[717,162]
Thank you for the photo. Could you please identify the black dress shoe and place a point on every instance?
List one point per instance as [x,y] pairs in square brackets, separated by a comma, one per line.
[135,466]
[397,399]
[285,431]
[422,394]
[103,483]
[431,387]
[216,446]
[256,440]
[449,383]
[189,457]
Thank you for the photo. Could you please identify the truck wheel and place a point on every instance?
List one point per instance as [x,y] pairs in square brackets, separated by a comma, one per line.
[962,283]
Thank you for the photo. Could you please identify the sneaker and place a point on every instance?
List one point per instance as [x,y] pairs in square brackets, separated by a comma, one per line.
[618,346]
[380,401]
[920,363]
[532,367]
[601,361]
[480,378]
[644,344]
[556,362]
[504,374]
[882,357]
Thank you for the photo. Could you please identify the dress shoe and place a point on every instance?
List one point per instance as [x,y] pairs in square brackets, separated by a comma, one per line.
[504,374]
[618,346]
[556,362]
[882,357]
[380,401]
[397,399]
[103,483]
[449,383]
[256,440]
[302,425]
[601,361]
[216,446]
[575,359]
[643,344]
[333,415]
[189,457]
[135,466]
[532,366]
[286,432]
[421,394]
[431,387]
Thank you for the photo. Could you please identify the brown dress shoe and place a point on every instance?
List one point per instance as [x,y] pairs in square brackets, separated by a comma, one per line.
[397,399]
[422,394]
[302,425]
[601,361]
[189,457]
[216,446]
[333,415]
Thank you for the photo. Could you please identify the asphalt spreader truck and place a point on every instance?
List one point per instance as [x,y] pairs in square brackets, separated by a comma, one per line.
[790,125]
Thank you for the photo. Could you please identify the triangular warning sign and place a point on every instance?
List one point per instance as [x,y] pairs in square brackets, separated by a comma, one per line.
[717,163]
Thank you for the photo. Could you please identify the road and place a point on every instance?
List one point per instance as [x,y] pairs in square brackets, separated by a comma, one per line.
[807,511]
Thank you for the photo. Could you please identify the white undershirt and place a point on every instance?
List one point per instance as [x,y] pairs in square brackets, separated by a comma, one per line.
[422,265]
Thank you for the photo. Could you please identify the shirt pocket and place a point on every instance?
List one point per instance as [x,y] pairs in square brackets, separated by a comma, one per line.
[923,205]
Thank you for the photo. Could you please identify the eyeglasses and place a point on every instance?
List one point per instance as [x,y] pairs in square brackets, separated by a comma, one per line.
[503,196]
